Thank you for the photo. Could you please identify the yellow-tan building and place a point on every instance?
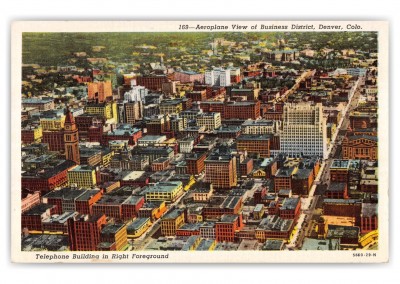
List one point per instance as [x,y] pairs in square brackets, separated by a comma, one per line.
[170,106]
[114,237]
[82,176]
[54,123]
[171,222]
[138,227]
[164,191]
[107,110]
[107,157]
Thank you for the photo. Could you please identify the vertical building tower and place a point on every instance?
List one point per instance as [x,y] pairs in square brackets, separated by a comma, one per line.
[221,171]
[71,138]
[304,130]
[100,91]
[218,77]
[84,232]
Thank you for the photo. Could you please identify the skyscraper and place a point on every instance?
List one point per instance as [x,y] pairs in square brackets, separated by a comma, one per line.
[71,138]
[304,130]
[218,77]
[100,91]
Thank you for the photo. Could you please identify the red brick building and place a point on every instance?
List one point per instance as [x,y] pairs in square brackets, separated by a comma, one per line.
[55,140]
[254,144]
[230,205]
[302,181]
[259,195]
[363,147]
[290,208]
[274,227]
[57,223]
[337,190]
[84,232]
[32,219]
[283,178]
[189,230]
[369,217]
[195,163]
[188,77]
[84,203]
[85,121]
[197,96]
[225,229]
[152,82]
[31,134]
[246,167]
[221,171]
[119,207]
[47,179]
[242,110]
[95,134]
[360,120]
[131,206]
[342,207]
[339,170]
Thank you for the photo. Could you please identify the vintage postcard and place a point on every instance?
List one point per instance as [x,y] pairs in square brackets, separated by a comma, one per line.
[200,142]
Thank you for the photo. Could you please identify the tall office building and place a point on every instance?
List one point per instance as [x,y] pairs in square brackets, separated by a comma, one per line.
[84,232]
[221,170]
[71,138]
[304,130]
[100,91]
[218,77]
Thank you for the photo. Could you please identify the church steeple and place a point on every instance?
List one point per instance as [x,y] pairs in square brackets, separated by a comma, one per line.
[71,138]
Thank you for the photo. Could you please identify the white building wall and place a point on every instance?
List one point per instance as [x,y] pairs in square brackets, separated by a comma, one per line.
[304,130]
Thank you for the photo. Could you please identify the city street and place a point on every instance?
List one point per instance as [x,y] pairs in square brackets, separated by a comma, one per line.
[305,224]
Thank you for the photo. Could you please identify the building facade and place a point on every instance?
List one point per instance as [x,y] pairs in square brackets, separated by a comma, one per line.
[304,130]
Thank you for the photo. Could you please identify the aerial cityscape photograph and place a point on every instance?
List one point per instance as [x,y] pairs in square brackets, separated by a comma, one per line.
[199,141]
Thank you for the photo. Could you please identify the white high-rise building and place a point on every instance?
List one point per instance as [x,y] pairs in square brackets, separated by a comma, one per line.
[304,130]
[218,77]
[136,94]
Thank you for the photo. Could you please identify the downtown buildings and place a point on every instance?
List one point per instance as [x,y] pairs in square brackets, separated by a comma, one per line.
[198,160]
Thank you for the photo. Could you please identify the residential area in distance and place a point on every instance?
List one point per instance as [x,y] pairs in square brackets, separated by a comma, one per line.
[225,141]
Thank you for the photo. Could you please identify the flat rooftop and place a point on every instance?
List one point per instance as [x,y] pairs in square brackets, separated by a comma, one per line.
[337,186]
[82,168]
[137,223]
[337,231]
[112,229]
[66,193]
[227,218]
[173,214]
[165,187]
[340,164]
[39,209]
[254,137]
[290,203]
[60,218]
[318,244]
[369,209]
[133,175]
[259,122]
[342,201]
[285,172]
[273,245]
[275,223]
[111,200]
